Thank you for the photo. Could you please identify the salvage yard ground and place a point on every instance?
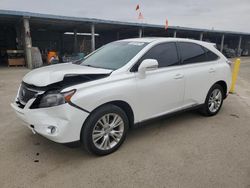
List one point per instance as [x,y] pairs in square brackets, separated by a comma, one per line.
[187,150]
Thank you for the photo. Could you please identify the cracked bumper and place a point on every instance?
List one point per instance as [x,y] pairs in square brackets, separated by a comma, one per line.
[67,119]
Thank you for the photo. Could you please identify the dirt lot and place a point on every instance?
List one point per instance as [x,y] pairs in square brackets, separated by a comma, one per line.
[187,150]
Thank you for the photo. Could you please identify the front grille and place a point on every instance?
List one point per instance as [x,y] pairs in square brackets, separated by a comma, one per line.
[25,94]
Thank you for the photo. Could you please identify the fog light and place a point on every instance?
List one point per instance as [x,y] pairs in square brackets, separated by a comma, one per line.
[51,129]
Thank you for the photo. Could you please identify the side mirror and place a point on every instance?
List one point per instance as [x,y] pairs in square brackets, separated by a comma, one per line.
[147,64]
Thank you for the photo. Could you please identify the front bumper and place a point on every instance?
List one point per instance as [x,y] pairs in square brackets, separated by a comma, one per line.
[67,119]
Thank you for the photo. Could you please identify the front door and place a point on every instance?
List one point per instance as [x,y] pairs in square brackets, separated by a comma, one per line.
[161,90]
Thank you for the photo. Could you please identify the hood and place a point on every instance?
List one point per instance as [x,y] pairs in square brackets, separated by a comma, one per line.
[55,73]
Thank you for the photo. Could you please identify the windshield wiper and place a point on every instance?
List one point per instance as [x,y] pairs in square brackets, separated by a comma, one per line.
[88,65]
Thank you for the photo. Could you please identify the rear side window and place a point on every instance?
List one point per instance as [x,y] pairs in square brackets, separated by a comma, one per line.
[165,54]
[191,53]
[211,56]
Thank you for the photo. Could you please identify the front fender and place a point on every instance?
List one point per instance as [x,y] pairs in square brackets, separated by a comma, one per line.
[89,98]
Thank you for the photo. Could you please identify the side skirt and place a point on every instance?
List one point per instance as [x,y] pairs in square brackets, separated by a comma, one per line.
[151,120]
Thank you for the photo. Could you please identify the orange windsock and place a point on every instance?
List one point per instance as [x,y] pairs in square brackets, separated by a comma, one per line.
[166,24]
[137,7]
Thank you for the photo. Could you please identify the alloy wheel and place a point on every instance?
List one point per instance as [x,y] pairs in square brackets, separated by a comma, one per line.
[215,100]
[108,131]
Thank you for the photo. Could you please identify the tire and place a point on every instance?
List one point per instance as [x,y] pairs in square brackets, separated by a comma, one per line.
[206,110]
[105,130]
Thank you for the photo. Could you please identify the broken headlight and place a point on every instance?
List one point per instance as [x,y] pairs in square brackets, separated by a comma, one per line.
[54,98]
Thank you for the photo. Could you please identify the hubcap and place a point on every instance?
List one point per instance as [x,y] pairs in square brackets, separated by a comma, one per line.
[214,101]
[108,131]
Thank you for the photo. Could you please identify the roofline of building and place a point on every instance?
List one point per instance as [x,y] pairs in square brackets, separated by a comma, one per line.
[112,22]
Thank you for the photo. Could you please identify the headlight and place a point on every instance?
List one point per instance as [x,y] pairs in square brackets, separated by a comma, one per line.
[53,98]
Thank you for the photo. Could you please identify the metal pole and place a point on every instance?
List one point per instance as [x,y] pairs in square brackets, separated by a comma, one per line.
[175,33]
[18,36]
[92,37]
[28,43]
[62,43]
[140,32]
[222,42]
[201,36]
[75,41]
[235,73]
[239,45]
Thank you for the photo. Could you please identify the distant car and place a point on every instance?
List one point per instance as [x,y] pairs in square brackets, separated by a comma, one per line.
[229,53]
[121,84]
[245,52]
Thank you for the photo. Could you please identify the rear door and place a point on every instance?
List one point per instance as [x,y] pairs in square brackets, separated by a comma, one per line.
[162,89]
[199,72]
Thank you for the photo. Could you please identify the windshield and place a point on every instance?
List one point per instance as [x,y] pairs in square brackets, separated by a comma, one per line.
[114,55]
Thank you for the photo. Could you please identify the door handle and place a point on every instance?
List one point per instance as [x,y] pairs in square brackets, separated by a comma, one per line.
[178,76]
[211,70]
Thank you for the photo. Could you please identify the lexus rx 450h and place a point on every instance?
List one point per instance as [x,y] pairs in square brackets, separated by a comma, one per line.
[123,83]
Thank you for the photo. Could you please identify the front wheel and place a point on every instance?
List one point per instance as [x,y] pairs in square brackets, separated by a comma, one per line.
[214,101]
[105,130]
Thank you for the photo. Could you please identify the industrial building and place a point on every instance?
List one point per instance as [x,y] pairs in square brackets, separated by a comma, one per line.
[20,31]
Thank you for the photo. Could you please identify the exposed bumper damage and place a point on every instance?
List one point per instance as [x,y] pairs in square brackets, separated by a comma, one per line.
[66,119]
[61,123]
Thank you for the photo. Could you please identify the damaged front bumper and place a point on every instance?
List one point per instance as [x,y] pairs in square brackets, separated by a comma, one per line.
[65,120]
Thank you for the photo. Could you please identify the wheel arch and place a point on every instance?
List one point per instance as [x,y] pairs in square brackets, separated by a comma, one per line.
[121,104]
[223,84]
[126,108]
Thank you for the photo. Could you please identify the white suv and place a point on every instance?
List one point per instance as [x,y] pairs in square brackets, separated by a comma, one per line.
[119,85]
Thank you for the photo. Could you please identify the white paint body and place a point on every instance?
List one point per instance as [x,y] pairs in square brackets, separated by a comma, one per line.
[158,92]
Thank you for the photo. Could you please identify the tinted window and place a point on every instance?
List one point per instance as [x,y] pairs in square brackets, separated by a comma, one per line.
[165,54]
[191,53]
[210,55]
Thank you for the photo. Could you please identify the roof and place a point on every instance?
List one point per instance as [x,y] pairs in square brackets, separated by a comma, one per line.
[31,15]
[144,39]
[166,39]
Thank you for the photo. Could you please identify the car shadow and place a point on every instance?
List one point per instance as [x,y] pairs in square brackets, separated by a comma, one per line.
[142,131]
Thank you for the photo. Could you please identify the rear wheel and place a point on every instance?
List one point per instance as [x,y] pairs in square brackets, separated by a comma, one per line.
[105,130]
[214,101]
